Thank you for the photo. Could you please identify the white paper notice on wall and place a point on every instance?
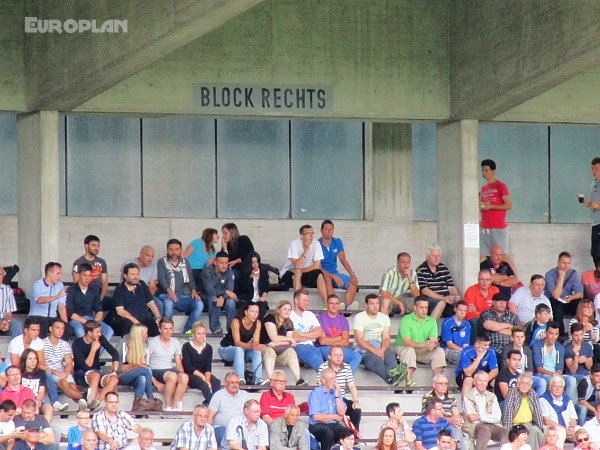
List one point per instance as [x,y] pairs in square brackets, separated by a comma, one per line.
[471,235]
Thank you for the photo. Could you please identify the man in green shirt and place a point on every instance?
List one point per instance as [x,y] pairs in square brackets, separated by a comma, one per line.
[418,341]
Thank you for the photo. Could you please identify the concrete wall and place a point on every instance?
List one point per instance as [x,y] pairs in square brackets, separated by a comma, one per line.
[12,79]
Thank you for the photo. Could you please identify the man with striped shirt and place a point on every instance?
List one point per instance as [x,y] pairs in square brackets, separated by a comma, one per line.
[398,284]
[8,305]
[436,284]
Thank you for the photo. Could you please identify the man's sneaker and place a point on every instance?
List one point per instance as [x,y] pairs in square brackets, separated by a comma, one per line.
[188,332]
[301,382]
[82,404]
[58,406]
[218,332]
[353,306]
[399,372]
[179,406]
[242,381]
[263,382]
[94,405]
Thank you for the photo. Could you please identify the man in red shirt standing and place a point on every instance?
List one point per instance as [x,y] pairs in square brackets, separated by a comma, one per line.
[494,201]
[14,390]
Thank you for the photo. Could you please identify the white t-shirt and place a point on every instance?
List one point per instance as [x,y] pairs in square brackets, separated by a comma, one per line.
[296,250]
[304,324]
[371,327]
[161,357]
[7,428]
[507,446]
[16,345]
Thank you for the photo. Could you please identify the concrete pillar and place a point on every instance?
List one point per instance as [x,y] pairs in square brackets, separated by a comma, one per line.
[457,197]
[37,193]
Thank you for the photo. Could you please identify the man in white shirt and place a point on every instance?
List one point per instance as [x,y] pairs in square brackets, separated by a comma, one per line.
[29,339]
[306,329]
[559,410]
[483,413]
[592,426]
[526,298]
[303,264]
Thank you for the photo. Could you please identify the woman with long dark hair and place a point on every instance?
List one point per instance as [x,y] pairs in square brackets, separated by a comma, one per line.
[252,285]
[35,379]
[238,247]
[386,439]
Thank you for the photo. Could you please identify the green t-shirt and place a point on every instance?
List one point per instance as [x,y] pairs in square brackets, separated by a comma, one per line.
[417,331]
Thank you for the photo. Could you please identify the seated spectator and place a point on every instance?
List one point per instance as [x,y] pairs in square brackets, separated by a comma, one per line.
[372,339]
[147,266]
[386,440]
[302,267]
[58,361]
[336,331]
[401,428]
[591,282]
[201,253]
[399,286]
[549,359]
[35,379]
[346,441]
[551,439]
[418,341]
[86,353]
[135,371]
[8,305]
[437,284]
[526,298]
[242,343]
[535,329]
[279,342]
[522,407]
[247,430]
[171,381]
[90,440]
[497,323]
[584,441]
[507,378]
[197,363]
[29,339]
[345,383]
[225,404]
[592,427]
[75,433]
[479,297]
[288,431]
[29,416]
[252,284]
[559,410]
[133,304]
[326,410]
[238,247]
[306,329]
[91,244]
[518,435]
[333,248]
[196,433]
[588,393]
[8,434]
[578,354]
[461,439]
[219,283]
[427,427]
[483,413]
[440,391]
[445,441]
[48,297]
[112,424]
[563,288]
[475,358]
[273,403]
[176,286]
[15,390]
[503,274]
[83,303]
[31,439]
[144,441]
[456,333]
[591,331]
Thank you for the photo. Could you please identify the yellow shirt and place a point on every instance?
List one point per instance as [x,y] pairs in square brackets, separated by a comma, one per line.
[524,414]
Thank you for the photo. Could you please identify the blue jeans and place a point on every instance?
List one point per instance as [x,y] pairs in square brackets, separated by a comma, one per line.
[185,303]
[240,356]
[350,356]
[310,355]
[213,313]
[539,385]
[219,434]
[79,331]
[51,388]
[141,380]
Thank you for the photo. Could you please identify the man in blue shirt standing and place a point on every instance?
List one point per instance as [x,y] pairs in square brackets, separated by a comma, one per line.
[426,428]
[326,410]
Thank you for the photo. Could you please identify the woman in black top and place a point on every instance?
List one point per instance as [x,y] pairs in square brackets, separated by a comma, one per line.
[197,362]
[35,379]
[242,343]
[252,285]
[237,247]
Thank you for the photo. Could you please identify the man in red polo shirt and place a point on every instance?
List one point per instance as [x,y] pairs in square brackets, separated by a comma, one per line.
[14,390]
[274,402]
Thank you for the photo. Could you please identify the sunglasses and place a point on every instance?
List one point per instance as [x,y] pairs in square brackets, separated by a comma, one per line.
[583,440]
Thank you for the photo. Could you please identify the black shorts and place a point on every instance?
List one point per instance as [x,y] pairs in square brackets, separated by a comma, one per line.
[309,279]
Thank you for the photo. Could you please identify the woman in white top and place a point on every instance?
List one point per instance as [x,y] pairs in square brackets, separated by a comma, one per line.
[517,439]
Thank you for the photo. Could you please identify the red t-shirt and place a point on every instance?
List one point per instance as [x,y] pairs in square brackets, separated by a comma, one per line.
[492,193]
[271,405]
[592,286]
[473,296]
[17,396]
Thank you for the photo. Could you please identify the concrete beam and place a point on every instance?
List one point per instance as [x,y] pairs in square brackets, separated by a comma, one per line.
[505,53]
[65,70]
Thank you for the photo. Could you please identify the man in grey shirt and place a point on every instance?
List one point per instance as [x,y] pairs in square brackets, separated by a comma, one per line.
[593,202]
[177,287]
[219,282]
[225,404]
[148,270]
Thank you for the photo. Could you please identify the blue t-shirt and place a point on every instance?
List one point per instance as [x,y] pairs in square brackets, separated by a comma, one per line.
[459,334]
[586,350]
[488,363]
[427,432]
[330,254]
[199,257]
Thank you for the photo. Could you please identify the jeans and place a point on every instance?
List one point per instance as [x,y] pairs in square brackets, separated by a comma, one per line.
[16,328]
[51,388]
[141,380]
[79,331]
[214,312]
[207,390]
[350,356]
[240,356]
[310,355]
[185,303]
[219,434]
[539,385]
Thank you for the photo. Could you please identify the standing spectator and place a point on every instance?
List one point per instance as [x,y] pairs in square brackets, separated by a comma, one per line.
[578,354]
[48,297]
[593,202]
[398,285]
[427,427]
[456,333]
[273,403]
[591,331]
[522,407]
[238,247]
[201,253]
[225,404]
[247,430]
[197,362]
[196,433]
[111,424]
[91,245]
[8,305]
[436,284]
[219,283]
[563,288]
[494,201]
[526,298]
[497,323]
[326,410]
[252,284]
[306,329]
[558,410]
[402,430]
[288,431]
[475,358]
[147,266]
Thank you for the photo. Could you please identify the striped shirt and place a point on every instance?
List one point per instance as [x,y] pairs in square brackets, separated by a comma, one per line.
[438,282]
[592,336]
[427,432]
[55,356]
[395,284]
[343,377]
[7,300]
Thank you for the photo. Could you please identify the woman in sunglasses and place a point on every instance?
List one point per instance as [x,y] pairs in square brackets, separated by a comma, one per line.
[517,439]
[582,440]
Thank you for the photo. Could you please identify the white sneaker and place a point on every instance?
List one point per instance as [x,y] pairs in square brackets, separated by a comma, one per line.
[58,406]
[82,404]
[179,406]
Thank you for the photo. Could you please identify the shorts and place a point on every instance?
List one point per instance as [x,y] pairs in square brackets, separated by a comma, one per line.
[488,237]
[159,374]
[345,279]
[81,377]
[309,279]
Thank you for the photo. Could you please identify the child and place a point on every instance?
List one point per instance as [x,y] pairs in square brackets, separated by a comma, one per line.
[75,432]
[535,330]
